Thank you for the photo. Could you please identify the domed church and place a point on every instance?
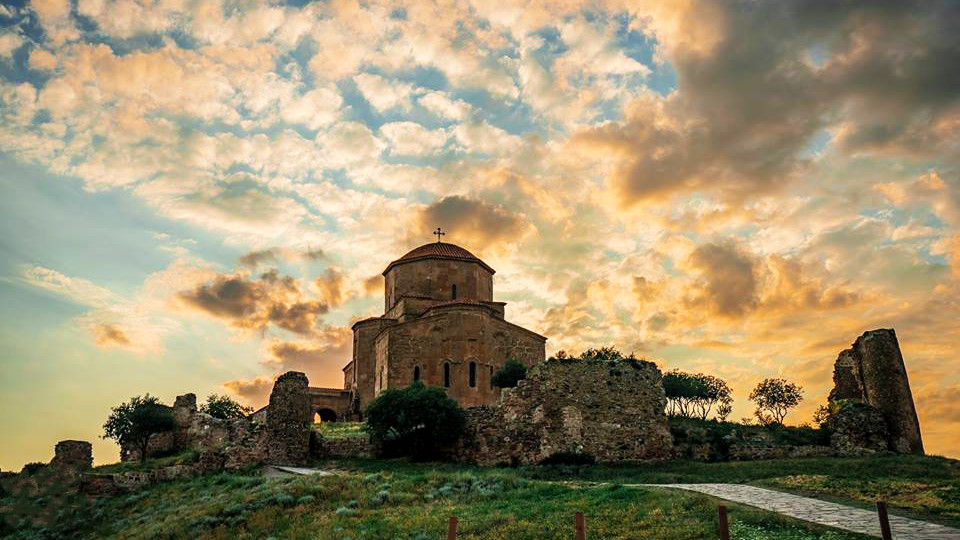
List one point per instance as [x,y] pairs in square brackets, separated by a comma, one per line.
[440,326]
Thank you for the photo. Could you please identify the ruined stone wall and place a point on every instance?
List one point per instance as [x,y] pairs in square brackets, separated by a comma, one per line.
[435,278]
[611,410]
[72,455]
[289,418]
[170,442]
[456,335]
[872,371]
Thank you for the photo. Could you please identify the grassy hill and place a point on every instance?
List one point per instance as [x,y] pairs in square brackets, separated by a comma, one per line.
[398,499]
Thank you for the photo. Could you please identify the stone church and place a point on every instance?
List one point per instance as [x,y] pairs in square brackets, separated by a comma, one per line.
[440,326]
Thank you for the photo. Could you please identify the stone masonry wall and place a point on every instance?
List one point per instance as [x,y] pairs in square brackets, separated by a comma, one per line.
[872,371]
[457,335]
[289,417]
[73,455]
[611,410]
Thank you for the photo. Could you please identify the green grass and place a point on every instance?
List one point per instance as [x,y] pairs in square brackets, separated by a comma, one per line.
[923,487]
[400,499]
[341,430]
[407,502]
[183,458]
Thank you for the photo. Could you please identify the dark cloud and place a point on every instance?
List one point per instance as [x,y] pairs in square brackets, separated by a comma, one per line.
[883,75]
[253,391]
[728,285]
[321,357]
[256,303]
[255,258]
[472,222]
[331,287]
[108,334]
[373,285]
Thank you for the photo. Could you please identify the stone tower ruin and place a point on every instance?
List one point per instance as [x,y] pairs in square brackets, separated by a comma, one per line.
[872,372]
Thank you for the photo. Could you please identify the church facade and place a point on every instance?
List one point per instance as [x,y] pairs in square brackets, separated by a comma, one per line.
[440,326]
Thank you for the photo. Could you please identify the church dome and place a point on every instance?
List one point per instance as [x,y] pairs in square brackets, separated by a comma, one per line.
[438,250]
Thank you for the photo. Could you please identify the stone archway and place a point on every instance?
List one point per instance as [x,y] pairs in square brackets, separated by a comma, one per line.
[325,415]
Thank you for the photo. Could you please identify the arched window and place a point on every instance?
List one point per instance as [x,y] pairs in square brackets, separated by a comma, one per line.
[473,374]
[416,373]
[454,296]
[446,374]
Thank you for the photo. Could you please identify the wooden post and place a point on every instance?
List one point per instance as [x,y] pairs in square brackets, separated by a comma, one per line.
[724,525]
[452,529]
[884,521]
[581,527]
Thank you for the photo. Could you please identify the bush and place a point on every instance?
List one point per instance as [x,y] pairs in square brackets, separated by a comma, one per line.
[225,408]
[510,374]
[416,421]
[569,458]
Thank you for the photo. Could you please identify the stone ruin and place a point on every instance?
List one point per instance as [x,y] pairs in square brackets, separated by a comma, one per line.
[75,455]
[872,393]
[612,410]
[283,438]
[289,417]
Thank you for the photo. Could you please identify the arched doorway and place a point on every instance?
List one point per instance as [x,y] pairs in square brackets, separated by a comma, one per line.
[324,415]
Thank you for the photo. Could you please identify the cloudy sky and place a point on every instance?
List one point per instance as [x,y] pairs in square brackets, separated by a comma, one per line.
[199,195]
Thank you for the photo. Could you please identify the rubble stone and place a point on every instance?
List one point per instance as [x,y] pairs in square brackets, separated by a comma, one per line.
[613,411]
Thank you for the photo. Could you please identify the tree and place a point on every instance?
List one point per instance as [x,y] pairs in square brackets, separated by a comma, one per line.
[679,388]
[774,398]
[224,407]
[695,394]
[510,374]
[710,391]
[137,421]
[416,421]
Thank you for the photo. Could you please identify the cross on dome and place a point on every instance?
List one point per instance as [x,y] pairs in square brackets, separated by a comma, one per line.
[439,233]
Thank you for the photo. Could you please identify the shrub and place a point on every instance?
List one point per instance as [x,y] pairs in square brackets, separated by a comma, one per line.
[416,421]
[225,408]
[510,374]
[137,421]
[774,398]
[569,458]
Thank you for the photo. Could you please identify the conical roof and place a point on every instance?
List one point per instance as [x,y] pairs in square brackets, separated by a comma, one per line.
[438,250]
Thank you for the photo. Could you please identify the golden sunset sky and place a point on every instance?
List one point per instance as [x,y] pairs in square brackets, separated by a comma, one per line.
[200,195]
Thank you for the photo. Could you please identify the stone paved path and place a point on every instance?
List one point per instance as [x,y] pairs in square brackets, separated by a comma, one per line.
[816,511]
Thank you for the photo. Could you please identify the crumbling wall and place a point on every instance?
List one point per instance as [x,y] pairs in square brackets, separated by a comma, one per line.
[72,455]
[612,410]
[170,442]
[858,428]
[872,371]
[289,417]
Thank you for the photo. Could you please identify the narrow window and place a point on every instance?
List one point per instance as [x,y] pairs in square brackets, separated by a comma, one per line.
[446,374]
[473,374]
[491,377]
[416,373]
[454,292]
